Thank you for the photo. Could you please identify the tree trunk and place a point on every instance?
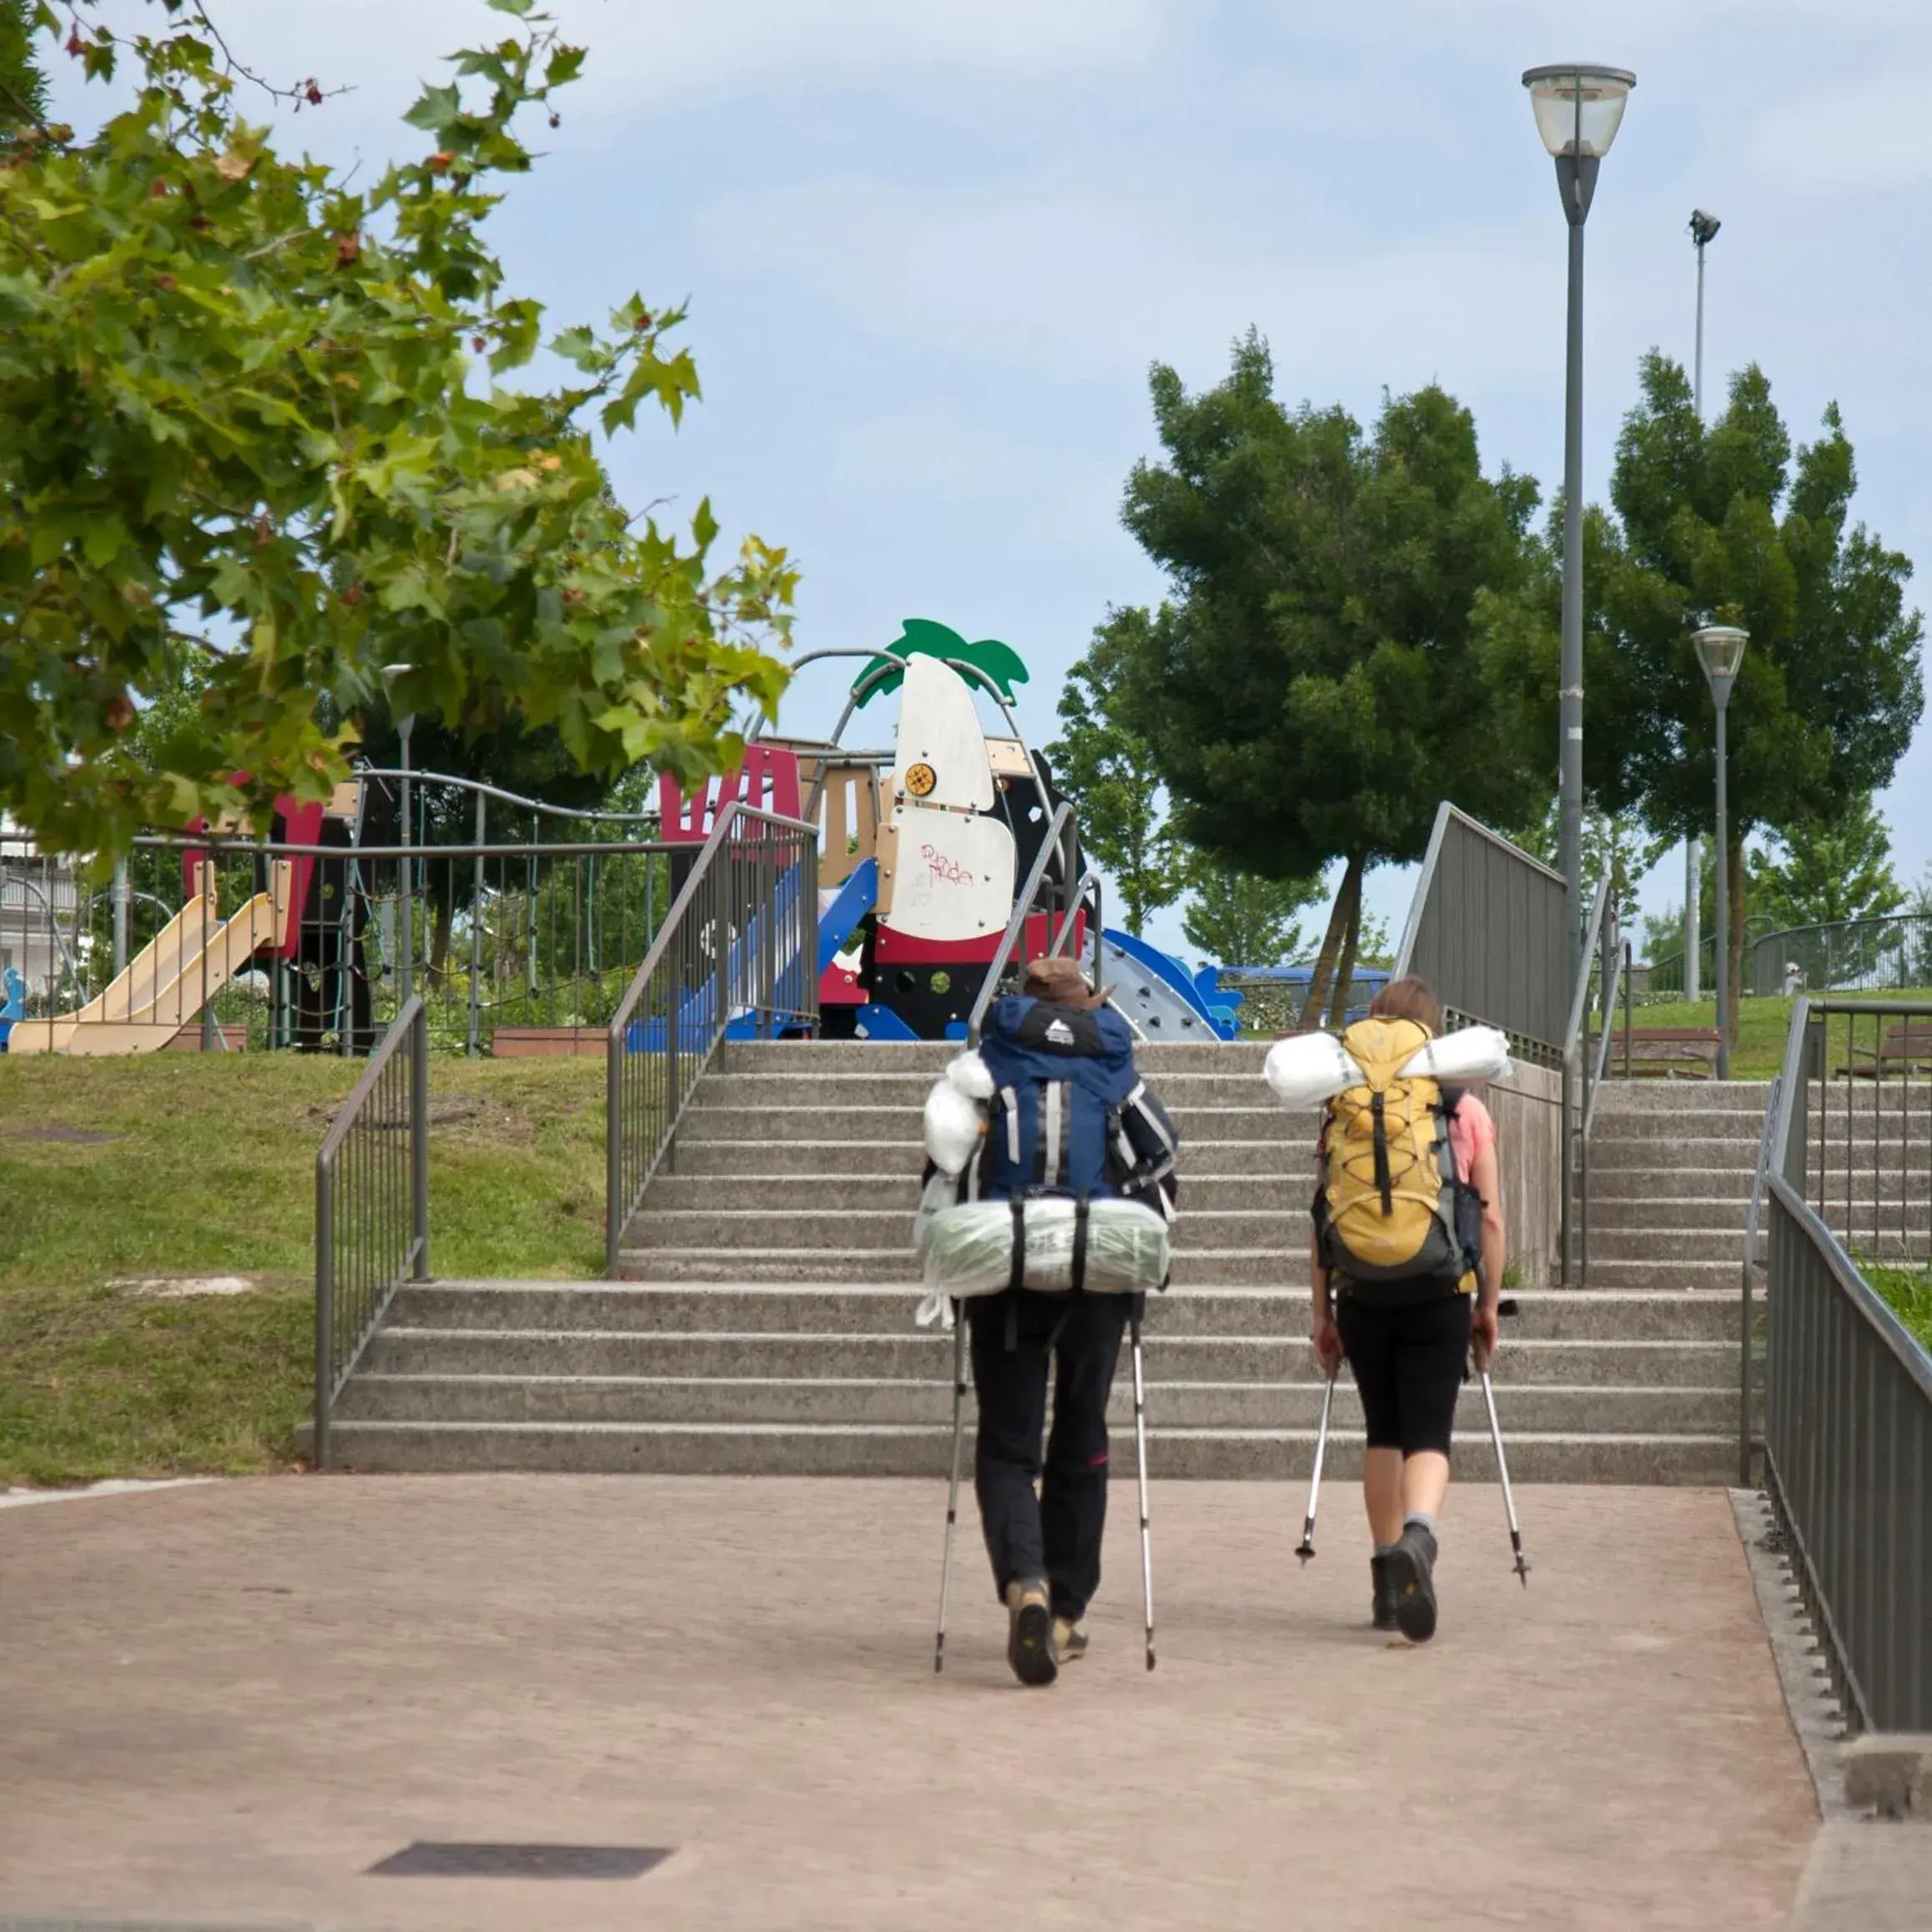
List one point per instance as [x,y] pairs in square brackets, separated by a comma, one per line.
[1349,888]
[1351,944]
[1733,967]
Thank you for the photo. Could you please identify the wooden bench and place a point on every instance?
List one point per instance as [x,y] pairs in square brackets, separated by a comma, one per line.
[1667,1052]
[1905,1049]
[516,1042]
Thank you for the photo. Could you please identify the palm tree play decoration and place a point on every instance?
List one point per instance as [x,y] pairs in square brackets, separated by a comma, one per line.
[999,665]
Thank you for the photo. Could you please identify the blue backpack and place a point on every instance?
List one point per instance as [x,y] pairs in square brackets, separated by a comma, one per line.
[1069,1114]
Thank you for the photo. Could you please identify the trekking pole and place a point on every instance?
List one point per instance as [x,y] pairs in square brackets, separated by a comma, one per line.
[953,1492]
[1522,1568]
[1306,1549]
[1140,1466]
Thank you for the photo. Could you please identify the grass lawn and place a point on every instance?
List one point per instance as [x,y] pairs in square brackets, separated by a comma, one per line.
[1910,1291]
[112,1170]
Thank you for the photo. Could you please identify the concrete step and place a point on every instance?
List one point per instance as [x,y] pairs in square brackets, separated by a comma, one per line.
[831,1401]
[1742,1131]
[1157,1058]
[1730,1185]
[914,1355]
[1653,1096]
[728,1229]
[1700,1151]
[900,1152]
[1671,1244]
[1281,1265]
[1620,1215]
[1197,1126]
[748,1308]
[1199,1193]
[1229,1086]
[884,1449]
[1712,1277]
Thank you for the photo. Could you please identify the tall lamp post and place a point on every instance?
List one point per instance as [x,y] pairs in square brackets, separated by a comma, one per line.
[1578,107]
[1703,230]
[1720,649]
[406,932]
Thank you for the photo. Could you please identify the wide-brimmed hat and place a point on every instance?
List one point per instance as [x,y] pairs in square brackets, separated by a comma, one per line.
[1061,983]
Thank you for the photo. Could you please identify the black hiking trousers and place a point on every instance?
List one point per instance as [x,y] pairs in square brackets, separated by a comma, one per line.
[1055,1533]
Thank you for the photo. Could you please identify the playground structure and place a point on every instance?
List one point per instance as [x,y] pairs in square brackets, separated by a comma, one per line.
[519,922]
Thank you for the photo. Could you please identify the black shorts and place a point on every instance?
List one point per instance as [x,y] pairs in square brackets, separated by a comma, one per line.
[1408,1362]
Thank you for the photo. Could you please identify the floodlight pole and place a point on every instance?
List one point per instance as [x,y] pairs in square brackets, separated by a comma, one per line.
[1703,229]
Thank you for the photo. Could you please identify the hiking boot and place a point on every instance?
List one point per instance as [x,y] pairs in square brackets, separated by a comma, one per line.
[1029,1640]
[1382,1615]
[1411,1573]
[1069,1640]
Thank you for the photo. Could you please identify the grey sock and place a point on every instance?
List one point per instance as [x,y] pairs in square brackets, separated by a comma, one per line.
[1383,1549]
[1420,1519]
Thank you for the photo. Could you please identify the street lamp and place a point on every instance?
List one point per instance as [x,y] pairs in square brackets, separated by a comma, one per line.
[1720,649]
[406,934]
[1703,231]
[1578,107]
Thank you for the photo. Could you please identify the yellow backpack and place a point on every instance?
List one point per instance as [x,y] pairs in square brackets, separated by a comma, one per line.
[1387,1211]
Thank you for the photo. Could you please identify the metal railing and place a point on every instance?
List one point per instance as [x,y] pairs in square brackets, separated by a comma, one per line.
[1603,976]
[372,1206]
[1892,954]
[314,946]
[1848,1399]
[1059,842]
[738,949]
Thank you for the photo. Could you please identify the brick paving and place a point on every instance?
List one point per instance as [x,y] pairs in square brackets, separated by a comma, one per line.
[222,1705]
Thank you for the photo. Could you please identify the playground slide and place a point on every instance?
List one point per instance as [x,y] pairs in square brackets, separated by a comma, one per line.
[147,1005]
[1153,991]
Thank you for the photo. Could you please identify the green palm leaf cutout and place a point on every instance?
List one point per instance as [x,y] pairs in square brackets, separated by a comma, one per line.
[998,664]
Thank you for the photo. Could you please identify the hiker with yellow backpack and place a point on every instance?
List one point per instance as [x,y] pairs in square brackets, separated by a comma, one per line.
[1406,1261]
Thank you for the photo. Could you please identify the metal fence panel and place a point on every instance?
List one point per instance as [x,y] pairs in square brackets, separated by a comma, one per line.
[1848,1407]
[372,1206]
[1891,954]
[1487,932]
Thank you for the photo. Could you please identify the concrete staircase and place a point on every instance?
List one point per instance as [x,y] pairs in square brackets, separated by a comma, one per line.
[765,1324]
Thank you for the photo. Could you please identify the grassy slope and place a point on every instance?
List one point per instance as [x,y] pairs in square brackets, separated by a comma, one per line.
[209,1168]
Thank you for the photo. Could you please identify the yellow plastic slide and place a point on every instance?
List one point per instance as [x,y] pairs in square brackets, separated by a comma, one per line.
[163,989]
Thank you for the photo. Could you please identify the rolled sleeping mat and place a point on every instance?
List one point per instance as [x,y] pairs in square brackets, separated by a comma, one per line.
[1470,1053]
[968,1248]
[1310,1068]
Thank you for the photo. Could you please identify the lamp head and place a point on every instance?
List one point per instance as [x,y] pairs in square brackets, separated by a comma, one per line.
[1720,649]
[1703,228]
[1578,107]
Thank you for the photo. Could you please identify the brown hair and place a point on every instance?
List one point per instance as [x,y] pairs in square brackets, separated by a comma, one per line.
[1408,998]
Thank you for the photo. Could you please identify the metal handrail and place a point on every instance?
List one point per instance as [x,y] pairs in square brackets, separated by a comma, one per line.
[1023,910]
[516,798]
[621,1192]
[336,1356]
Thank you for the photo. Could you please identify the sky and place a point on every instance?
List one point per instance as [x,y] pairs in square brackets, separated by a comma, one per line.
[932,247]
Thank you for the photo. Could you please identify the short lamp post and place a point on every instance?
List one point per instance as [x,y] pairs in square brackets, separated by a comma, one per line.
[1720,649]
[1578,107]
[405,925]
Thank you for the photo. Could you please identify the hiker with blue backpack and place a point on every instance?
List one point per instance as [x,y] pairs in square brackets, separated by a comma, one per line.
[1050,1193]
[1407,1263]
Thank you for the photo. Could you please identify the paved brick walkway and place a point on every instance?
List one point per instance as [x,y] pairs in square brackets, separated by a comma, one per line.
[223,1704]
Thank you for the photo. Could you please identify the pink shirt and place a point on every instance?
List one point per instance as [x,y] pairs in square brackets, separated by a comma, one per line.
[1472,1132]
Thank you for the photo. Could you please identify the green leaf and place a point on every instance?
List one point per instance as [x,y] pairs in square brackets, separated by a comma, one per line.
[436,107]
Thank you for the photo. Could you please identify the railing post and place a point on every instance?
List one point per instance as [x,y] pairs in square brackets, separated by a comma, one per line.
[476,926]
[324,1304]
[420,1140]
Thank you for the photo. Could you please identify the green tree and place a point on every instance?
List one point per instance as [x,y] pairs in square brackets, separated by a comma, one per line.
[1819,874]
[1236,918]
[1108,770]
[23,88]
[1314,687]
[1620,848]
[244,401]
[1723,522]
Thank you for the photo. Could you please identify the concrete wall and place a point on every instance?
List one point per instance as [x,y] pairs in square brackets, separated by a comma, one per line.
[1528,1111]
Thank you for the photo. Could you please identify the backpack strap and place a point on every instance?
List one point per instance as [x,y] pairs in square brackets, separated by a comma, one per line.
[1385,1181]
[1017,1275]
[1079,1275]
